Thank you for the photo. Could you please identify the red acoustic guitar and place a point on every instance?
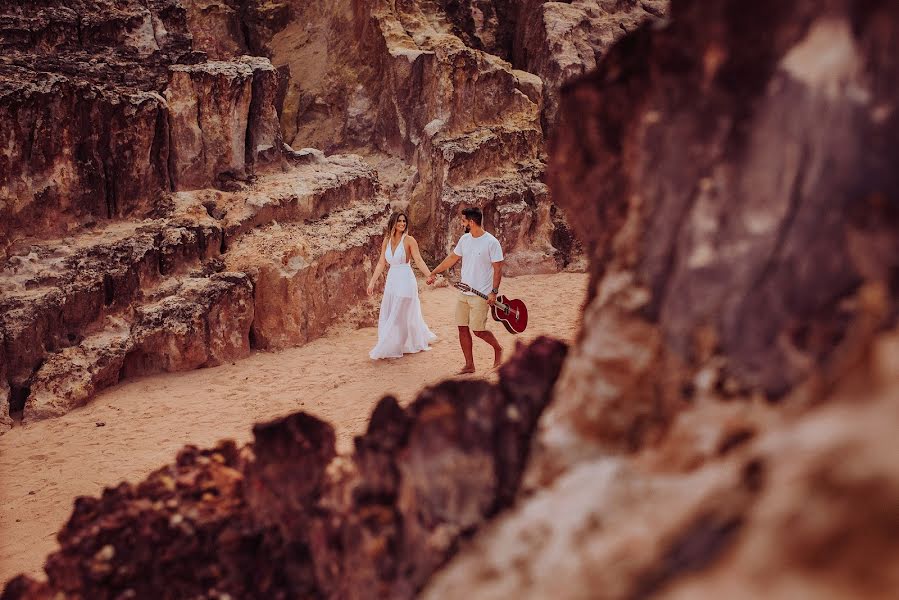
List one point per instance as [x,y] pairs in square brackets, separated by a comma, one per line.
[512,313]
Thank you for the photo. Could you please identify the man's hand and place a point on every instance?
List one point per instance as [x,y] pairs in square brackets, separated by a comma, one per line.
[370,289]
[431,279]
[491,299]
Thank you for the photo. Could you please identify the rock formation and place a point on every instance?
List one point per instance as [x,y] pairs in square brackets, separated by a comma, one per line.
[132,124]
[284,517]
[723,426]
[446,88]
[139,297]
[557,41]
[110,110]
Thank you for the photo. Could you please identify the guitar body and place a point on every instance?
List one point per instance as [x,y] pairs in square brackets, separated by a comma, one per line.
[515,318]
[513,314]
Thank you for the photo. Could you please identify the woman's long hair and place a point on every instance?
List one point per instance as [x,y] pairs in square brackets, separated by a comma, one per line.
[392,223]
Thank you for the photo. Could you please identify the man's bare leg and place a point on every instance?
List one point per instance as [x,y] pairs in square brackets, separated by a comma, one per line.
[488,337]
[465,342]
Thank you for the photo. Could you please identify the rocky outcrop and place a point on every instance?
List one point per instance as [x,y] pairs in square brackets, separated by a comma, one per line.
[204,323]
[120,151]
[110,110]
[559,41]
[216,27]
[286,517]
[80,170]
[134,298]
[5,420]
[222,120]
[87,137]
[159,116]
[556,41]
[461,171]
[750,254]
[730,400]
[724,426]
[303,276]
[737,502]
[395,78]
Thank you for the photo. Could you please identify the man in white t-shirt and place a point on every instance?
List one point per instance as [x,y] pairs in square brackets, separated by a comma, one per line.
[482,269]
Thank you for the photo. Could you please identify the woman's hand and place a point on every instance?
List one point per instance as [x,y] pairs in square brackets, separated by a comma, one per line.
[370,289]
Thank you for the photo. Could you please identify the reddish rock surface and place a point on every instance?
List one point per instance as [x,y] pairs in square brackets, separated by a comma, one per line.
[125,124]
[303,276]
[133,298]
[286,517]
[732,395]
[87,137]
[559,41]
[217,27]
[724,426]
[133,123]
[397,80]
[203,322]
[222,119]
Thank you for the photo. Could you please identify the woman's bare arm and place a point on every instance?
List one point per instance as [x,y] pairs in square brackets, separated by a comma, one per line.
[382,264]
[416,255]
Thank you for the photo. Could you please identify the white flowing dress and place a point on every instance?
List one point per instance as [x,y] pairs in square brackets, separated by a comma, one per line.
[401,328]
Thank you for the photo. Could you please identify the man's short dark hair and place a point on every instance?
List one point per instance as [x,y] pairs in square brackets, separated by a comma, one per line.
[474,214]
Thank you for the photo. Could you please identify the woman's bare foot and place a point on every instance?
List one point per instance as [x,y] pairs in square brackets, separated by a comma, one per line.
[467,369]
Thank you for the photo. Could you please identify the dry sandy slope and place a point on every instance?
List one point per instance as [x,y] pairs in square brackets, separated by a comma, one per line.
[44,466]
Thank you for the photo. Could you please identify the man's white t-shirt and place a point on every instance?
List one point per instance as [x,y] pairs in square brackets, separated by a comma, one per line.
[478,255]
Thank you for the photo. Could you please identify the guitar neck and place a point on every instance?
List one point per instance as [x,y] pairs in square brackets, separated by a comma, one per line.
[484,296]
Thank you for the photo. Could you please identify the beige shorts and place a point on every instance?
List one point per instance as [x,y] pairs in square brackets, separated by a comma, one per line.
[471,311]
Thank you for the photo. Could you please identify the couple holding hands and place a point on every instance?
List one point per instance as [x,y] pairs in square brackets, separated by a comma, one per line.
[401,327]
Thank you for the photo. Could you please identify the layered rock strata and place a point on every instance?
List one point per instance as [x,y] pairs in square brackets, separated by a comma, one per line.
[462,91]
[724,426]
[222,120]
[286,517]
[307,278]
[558,41]
[131,298]
[110,108]
[203,321]
[395,79]
[116,109]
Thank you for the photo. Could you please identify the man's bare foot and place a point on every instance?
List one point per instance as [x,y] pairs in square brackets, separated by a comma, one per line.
[497,357]
[466,370]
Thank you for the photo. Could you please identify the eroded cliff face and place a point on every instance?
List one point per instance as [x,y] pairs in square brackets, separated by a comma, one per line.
[173,293]
[107,272]
[725,424]
[732,394]
[110,109]
[130,122]
[432,85]
[557,41]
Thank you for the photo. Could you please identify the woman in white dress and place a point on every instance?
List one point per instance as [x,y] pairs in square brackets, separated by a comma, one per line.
[401,328]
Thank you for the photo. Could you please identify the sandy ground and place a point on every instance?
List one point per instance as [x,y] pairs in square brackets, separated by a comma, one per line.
[45,465]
